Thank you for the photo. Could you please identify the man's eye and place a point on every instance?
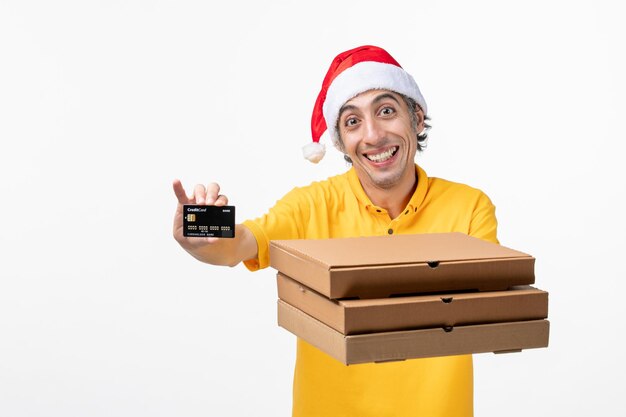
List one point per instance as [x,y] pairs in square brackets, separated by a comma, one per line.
[351,121]
[386,111]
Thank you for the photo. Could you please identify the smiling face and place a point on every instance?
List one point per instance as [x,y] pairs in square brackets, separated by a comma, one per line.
[377,132]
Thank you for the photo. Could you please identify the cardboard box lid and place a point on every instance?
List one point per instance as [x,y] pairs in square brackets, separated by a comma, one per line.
[519,303]
[394,346]
[379,266]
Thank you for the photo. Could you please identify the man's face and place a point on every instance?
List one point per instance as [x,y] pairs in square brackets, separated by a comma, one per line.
[377,134]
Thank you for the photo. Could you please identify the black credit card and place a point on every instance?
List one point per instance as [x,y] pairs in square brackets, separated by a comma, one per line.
[208,221]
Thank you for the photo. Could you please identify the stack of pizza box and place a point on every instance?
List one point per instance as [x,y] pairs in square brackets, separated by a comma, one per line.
[390,298]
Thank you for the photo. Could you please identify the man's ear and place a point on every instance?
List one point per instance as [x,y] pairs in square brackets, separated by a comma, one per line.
[419,114]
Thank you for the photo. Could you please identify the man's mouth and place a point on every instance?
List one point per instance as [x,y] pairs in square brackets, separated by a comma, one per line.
[383,156]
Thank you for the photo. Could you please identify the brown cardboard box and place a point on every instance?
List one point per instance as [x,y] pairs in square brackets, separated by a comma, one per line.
[416,312]
[381,266]
[400,345]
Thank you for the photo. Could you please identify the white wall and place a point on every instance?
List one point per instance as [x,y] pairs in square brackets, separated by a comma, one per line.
[103,104]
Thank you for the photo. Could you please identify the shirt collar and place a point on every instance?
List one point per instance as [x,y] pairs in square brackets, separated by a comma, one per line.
[414,203]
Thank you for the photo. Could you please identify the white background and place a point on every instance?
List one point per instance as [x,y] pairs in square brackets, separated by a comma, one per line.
[104,103]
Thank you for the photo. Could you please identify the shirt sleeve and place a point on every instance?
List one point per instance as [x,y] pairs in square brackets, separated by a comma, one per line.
[484,224]
[282,222]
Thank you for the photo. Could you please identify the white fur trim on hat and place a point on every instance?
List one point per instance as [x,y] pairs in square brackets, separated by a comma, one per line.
[314,151]
[364,76]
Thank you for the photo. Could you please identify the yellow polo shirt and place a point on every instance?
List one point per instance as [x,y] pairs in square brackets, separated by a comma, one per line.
[338,207]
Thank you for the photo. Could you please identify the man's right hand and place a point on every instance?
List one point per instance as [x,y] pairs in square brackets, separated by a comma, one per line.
[211,250]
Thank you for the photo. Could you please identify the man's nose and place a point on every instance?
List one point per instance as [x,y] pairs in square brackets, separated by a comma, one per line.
[373,131]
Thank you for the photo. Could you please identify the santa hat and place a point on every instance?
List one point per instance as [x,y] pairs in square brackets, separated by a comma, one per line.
[350,74]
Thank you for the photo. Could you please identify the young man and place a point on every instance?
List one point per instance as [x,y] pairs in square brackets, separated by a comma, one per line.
[374,113]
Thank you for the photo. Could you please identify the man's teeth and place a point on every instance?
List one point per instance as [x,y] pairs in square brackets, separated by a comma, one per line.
[383,156]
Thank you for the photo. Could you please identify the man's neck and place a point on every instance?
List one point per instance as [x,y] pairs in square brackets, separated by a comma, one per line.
[395,199]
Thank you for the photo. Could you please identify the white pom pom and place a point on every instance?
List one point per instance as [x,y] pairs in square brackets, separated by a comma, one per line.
[314,151]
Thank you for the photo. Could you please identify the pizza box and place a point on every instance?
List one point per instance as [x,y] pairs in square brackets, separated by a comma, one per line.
[354,316]
[383,266]
[410,344]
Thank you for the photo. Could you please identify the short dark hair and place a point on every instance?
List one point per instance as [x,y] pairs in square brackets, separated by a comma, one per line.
[421,137]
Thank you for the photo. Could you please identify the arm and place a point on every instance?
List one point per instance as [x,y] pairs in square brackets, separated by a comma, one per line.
[212,250]
[484,224]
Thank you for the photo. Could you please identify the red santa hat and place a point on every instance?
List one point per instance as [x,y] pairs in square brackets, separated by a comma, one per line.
[350,74]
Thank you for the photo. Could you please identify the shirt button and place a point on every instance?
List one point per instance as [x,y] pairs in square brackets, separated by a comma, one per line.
[390,231]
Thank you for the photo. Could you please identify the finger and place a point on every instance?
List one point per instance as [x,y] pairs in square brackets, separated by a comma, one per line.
[212,192]
[179,190]
[200,194]
[222,200]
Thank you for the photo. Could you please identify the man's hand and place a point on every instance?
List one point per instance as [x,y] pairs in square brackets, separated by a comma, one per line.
[209,196]
[211,250]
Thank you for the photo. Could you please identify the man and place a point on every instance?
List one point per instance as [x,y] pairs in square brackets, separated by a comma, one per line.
[375,114]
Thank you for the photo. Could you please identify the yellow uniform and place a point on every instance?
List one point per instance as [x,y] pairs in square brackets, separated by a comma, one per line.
[338,207]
